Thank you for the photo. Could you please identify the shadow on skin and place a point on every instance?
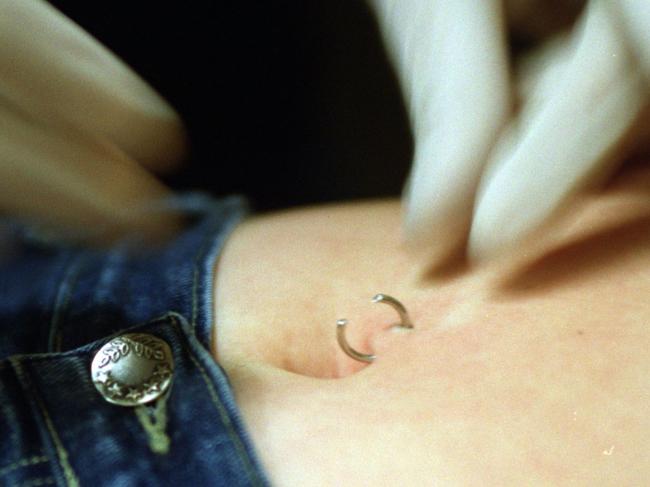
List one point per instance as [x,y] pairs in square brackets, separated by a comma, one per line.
[453,265]
[598,229]
[589,255]
[608,226]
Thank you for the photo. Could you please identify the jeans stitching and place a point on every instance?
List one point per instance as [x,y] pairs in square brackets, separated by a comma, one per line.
[195,276]
[63,295]
[225,231]
[223,414]
[9,414]
[38,482]
[23,462]
[37,357]
[62,454]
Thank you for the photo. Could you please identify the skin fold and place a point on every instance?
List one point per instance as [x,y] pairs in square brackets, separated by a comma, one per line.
[529,370]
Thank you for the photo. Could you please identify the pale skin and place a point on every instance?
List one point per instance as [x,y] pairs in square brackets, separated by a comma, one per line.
[532,370]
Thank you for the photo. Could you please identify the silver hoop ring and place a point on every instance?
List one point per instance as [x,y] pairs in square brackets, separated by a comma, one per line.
[405,322]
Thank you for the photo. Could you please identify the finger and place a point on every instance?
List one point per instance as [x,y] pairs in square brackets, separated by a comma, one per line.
[568,143]
[532,21]
[56,72]
[635,15]
[76,187]
[455,78]
[537,72]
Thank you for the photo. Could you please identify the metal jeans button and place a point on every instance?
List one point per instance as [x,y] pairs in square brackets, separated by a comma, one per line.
[133,369]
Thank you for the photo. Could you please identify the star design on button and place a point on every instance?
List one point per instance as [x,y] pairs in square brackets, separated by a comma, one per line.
[115,389]
[133,394]
[103,376]
[150,387]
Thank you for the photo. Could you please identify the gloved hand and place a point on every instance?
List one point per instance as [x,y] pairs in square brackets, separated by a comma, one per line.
[79,131]
[497,154]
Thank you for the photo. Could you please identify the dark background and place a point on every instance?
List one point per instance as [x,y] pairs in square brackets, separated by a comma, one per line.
[288,102]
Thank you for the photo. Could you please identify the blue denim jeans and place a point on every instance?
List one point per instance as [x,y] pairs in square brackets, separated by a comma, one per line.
[60,304]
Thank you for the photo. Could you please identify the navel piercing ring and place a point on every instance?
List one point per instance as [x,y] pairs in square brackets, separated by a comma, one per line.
[364,357]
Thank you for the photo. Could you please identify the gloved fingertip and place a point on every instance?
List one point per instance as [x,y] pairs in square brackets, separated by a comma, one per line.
[435,242]
[483,247]
[502,220]
[419,214]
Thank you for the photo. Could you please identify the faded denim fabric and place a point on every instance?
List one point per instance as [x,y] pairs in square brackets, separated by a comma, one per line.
[59,305]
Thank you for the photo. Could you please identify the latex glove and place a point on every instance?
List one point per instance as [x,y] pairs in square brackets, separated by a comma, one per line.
[79,130]
[451,60]
[476,185]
